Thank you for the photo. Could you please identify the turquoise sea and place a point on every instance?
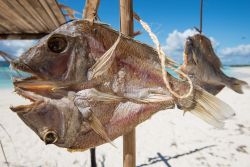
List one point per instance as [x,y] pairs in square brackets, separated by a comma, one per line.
[5,78]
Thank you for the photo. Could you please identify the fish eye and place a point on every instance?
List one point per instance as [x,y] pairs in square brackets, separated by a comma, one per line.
[50,137]
[57,43]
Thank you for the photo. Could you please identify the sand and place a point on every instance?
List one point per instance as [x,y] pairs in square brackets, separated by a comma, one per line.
[167,139]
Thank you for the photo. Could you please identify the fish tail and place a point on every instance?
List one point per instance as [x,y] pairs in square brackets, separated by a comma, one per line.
[236,85]
[211,109]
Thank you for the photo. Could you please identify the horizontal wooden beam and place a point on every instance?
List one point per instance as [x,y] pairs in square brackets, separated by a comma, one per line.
[21,36]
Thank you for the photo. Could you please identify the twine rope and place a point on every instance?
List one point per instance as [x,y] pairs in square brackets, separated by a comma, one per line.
[169,64]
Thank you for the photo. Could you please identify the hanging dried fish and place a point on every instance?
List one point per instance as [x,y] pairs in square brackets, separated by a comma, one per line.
[204,66]
[80,100]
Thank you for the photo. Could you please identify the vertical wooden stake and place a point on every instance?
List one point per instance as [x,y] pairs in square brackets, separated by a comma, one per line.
[127,28]
[93,157]
[90,12]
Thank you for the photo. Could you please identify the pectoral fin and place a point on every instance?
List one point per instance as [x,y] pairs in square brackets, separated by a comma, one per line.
[104,62]
[90,118]
[97,126]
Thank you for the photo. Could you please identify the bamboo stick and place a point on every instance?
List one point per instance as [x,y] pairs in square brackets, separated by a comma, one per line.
[90,9]
[90,12]
[126,27]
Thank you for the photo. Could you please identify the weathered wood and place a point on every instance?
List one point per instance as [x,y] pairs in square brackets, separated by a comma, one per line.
[21,36]
[126,17]
[3,29]
[57,11]
[49,12]
[91,8]
[29,18]
[18,16]
[10,15]
[126,27]
[7,25]
[29,8]
[90,12]
[22,19]
[127,160]
[129,149]
[43,14]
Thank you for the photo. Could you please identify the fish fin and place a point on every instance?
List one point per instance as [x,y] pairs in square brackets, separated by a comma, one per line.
[237,85]
[95,95]
[105,61]
[211,109]
[153,98]
[211,88]
[203,114]
[7,57]
[97,126]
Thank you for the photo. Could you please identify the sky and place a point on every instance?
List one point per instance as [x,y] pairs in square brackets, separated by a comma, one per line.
[225,22]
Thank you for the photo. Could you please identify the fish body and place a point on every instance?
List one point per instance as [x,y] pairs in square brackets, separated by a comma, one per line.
[75,108]
[204,66]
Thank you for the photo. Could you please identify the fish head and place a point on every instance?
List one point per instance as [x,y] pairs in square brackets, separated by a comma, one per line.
[54,121]
[62,55]
[199,51]
[192,48]
[198,47]
[201,43]
[188,51]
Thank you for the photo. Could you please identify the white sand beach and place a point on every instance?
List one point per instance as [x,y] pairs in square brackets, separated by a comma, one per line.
[167,139]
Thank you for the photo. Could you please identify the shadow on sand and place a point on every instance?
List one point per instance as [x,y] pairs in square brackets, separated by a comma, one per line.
[165,159]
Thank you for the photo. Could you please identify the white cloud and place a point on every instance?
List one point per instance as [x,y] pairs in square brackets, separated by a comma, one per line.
[18,43]
[236,55]
[16,47]
[176,40]
[243,50]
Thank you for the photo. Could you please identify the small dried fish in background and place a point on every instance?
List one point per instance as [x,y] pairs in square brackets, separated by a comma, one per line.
[204,66]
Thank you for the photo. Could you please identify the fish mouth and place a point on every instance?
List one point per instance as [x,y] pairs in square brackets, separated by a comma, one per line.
[19,65]
[38,82]
[21,81]
[34,99]
[26,87]
[34,83]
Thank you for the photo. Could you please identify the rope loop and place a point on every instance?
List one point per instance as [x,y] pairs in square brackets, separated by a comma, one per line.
[170,63]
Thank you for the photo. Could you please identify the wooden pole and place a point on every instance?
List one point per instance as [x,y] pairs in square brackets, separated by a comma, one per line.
[93,157]
[90,9]
[90,12]
[126,27]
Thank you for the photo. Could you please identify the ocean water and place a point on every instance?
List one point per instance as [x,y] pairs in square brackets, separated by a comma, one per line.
[5,78]
[6,74]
